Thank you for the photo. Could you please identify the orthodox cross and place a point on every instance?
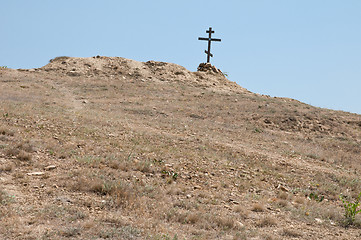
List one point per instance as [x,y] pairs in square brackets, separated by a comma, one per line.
[209,39]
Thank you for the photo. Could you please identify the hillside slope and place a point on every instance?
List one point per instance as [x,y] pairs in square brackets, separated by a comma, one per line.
[112,148]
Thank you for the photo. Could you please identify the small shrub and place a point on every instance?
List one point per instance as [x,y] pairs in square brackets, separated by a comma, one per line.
[192,218]
[243,212]
[267,222]
[291,233]
[114,164]
[98,187]
[12,152]
[225,222]
[283,195]
[145,167]
[7,168]
[172,174]
[316,197]
[282,203]
[24,156]
[258,207]
[70,232]
[351,209]
[5,198]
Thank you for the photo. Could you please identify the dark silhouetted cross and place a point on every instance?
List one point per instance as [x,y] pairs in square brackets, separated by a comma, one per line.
[209,39]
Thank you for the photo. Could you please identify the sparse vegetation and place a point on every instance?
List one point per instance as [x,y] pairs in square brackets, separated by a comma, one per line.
[267,222]
[351,209]
[258,207]
[24,156]
[316,197]
[291,233]
[153,151]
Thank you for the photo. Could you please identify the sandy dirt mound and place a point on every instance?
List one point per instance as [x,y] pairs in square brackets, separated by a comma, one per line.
[117,67]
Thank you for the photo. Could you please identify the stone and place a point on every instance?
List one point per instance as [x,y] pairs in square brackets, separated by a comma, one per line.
[35,174]
[318,220]
[207,67]
[50,167]
[282,188]
[239,224]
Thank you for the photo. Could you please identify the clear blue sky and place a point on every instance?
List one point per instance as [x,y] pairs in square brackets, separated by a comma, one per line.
[309,50]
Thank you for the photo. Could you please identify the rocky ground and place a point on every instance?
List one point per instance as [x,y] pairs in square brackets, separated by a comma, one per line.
[112,148]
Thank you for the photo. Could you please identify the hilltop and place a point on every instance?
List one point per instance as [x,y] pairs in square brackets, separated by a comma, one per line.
[112,148]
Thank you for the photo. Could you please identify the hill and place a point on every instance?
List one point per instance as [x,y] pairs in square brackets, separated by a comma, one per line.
[112,148]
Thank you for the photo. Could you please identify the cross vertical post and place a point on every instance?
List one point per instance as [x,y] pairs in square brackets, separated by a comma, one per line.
[209,39]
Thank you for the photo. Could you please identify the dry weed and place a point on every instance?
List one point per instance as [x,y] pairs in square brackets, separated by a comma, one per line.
[281,203]
[90,224]
[257,207]
[145,167]
[283,195]
[70,232]
[18,175]
[7,167]
[2,196]
[192,218]
[267,222]
[114,164]
[24,156]
[174,191]
[12,151]
[6,131]
[291,233]
[242,211]
[267,237]
[225,223]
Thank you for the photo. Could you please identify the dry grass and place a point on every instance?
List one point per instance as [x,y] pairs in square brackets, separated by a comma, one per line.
[192,218]
[6,131]
[282,203]
[2,196]
[287,232]
[24,156]
[299,200]
[283,195]
[9,167]
[225,223]
[145,167]
[267,221]
[142,153]
[119,192]
[258,207]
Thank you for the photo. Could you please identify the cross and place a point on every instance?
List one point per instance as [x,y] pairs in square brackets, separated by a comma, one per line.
[209,39]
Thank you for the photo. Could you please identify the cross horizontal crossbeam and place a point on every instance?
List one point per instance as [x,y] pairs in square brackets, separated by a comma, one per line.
[210,39]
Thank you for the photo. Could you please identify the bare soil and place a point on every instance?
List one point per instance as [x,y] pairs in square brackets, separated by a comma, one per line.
[112,148]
